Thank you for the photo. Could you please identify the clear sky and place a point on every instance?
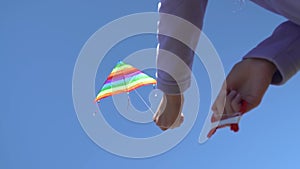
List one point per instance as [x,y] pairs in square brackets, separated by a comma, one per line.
[39,44]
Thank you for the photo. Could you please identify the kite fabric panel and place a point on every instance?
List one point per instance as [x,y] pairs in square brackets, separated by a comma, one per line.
[123,78]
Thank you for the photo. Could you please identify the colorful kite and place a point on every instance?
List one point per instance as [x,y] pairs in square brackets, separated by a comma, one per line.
[123,78]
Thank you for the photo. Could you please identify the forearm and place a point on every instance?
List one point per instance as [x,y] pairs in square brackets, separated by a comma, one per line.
[177,39]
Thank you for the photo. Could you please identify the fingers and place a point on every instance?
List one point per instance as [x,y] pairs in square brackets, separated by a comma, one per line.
[163,128]
[178,121]
[229,98]
[236,103]
[231,107]
[163,123]
[219,104]
[168,114]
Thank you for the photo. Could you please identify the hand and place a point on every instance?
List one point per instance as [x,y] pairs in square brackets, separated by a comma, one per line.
[168,114]
[247,81]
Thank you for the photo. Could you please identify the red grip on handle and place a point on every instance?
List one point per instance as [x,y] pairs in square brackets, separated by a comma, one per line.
[235,127]
[244,107]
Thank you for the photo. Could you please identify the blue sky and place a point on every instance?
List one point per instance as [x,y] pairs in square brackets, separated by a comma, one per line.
[40,42]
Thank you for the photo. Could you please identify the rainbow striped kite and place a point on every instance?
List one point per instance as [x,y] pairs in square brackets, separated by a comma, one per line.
[123,78]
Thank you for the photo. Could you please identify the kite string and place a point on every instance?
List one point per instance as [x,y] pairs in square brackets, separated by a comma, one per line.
[136,93]
[144,101]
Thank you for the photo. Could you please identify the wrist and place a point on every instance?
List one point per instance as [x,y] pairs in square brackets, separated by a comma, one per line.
[264,66]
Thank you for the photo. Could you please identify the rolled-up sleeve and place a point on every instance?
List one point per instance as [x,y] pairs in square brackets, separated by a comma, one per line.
[282,48]
[177,39]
